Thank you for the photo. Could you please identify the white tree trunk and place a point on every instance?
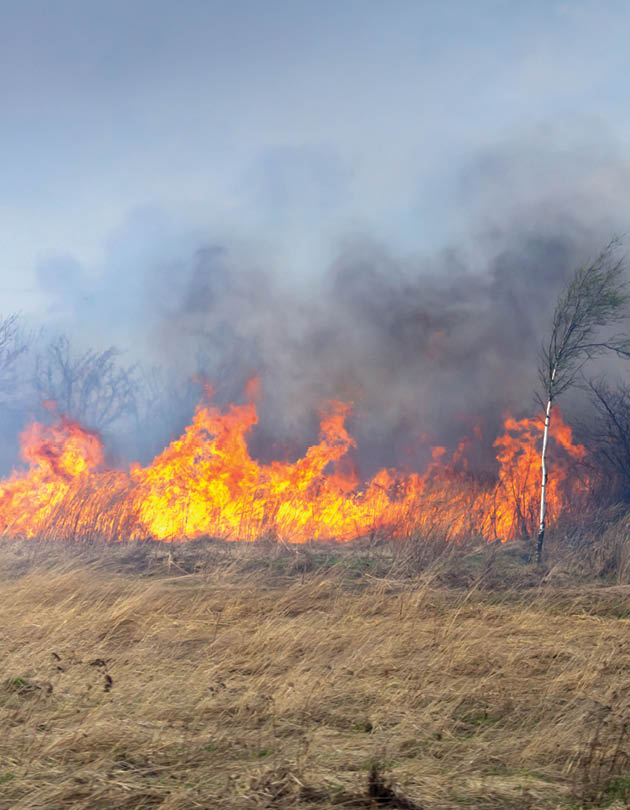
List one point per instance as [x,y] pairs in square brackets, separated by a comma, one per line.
[543,484]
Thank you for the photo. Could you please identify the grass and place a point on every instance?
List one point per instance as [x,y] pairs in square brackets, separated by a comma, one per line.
[213,675]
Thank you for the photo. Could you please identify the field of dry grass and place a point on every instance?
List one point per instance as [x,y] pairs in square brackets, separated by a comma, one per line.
[235,676]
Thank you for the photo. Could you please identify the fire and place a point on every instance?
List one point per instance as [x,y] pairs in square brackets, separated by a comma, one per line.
[205,483]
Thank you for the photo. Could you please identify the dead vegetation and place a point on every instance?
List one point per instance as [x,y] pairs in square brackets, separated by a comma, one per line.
[208,674]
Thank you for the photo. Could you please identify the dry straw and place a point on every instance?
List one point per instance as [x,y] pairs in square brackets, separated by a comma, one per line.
[215,675]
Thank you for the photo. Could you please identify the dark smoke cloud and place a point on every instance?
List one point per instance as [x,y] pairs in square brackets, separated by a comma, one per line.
[423,345]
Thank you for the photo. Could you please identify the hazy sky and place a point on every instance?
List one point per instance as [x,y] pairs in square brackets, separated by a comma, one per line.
[139,128]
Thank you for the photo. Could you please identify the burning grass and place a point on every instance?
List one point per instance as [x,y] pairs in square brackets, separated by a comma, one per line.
[212,674]
[207,483]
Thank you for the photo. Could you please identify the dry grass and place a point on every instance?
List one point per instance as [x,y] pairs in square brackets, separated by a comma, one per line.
[218,676]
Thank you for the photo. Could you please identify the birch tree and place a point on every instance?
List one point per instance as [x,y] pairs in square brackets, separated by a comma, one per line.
[591,304]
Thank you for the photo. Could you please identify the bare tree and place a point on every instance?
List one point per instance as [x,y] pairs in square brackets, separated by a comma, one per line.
[14,343]
[91,387]
[594,298]
[164,404]
[608,434]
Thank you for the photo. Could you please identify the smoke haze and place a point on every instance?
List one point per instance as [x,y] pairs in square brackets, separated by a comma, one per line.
[424,345]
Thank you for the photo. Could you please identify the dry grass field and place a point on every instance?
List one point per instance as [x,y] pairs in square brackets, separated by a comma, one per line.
[213,675]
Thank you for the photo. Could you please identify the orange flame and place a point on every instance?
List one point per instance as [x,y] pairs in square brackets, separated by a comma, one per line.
[205,483]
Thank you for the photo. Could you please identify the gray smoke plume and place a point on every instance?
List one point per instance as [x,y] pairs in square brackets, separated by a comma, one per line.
[424,346]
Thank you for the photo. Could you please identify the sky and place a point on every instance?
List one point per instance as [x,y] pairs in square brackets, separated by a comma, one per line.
[134,130]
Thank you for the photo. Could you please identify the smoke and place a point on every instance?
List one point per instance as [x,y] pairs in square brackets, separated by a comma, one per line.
[423,345]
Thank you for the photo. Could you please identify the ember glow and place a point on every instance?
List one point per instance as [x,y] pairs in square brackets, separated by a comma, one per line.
[206,484]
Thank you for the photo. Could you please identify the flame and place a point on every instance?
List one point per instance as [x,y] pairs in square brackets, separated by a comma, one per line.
[205,483]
